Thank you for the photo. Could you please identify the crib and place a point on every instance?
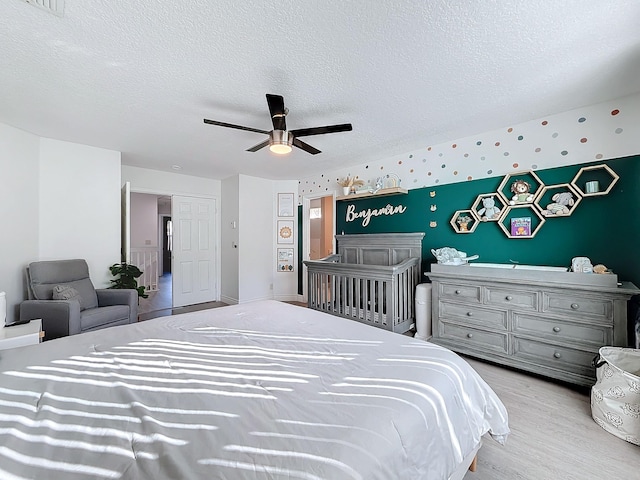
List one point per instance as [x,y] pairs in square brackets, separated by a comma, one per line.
[372,279]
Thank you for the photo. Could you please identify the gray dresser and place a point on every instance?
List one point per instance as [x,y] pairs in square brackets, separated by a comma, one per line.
[547,322]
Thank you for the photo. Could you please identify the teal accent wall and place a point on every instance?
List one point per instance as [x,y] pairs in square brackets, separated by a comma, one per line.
[605,228]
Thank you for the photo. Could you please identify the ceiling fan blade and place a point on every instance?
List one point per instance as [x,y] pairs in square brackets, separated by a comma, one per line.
[257,147]
[305,132]
[231,125]
[305,146]
[277,111]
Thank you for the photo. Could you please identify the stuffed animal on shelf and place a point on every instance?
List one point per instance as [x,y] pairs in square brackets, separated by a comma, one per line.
[522,192]
[560,206]
[489,210]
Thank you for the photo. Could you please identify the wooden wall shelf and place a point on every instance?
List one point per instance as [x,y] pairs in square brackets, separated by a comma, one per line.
[381,192]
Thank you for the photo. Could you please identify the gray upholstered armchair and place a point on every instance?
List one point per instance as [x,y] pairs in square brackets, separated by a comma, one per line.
[61,293]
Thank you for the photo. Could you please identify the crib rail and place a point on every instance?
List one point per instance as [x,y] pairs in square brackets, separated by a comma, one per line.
[377,295]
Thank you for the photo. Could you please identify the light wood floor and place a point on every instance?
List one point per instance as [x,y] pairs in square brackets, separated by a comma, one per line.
[553,436]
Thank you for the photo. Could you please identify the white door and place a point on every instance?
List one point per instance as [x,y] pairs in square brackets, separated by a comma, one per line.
[194,250]
[125,230]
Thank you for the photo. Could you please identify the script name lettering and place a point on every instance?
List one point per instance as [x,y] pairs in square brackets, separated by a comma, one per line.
[366,215]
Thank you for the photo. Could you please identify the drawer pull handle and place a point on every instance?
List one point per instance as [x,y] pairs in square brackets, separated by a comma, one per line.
[509,298]
[469,314]
[557,355]
[469,335]
[458,292]
[575,306]
[556,329]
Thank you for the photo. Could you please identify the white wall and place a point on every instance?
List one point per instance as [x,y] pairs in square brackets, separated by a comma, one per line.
[153,181]
[230,238]
[144,220]
[80,206]
[285,284]
[256,267]
[19,195]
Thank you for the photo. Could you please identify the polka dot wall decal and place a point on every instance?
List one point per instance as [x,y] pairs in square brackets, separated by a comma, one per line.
[520,137]
[410,156]
[428,149]
[534,166]
[497,144]
[545,123]
[618,130]
[382,167]
[582,120]
[583,140]
[483,158]
[469,177]
[440,154]
[599,156]
[615,112]
[509,129]
[399,162]
[489,172]
[506,154]
[478,143]
[555,135]
[437,181]
[537,150]
[411,171]
[455,172]
[515,165]
[564,152]
[424,160]
[454,145]
[415,180]
[443,166]
[466,155]
[366,166]
[429,174]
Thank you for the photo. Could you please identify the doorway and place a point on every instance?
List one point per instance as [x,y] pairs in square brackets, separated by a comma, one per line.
[318,230]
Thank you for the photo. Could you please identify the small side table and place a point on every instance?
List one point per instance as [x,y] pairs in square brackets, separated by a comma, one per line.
[20,335]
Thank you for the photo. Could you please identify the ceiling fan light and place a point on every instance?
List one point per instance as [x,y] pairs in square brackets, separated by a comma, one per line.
[280,148]
[280,142]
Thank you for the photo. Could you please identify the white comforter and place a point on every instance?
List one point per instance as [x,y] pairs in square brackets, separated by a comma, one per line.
[264,390]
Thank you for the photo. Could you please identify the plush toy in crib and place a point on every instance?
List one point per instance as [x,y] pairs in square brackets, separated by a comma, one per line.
[560,206]
[489,210]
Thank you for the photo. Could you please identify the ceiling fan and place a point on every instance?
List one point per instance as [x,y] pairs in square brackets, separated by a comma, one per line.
[280,139]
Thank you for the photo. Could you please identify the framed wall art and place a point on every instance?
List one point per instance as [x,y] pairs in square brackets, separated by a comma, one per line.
[285,231]
[285,204]
[285,259]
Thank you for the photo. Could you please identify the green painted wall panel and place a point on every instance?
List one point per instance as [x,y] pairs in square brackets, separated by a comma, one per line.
[604,228]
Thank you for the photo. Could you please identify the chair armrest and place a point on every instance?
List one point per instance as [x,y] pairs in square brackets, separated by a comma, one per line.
[60,318]
[116,296]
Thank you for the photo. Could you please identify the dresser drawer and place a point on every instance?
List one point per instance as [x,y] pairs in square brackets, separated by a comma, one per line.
[474,338]
[578,306]
[553,356]
[592,335]
[511,298]
[472,314]
[460,292]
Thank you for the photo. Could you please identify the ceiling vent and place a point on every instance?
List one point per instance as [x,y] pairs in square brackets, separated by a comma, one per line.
[52,6]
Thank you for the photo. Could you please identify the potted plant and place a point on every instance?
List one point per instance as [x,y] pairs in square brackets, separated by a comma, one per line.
[126,277]
[463,220]
[349,184]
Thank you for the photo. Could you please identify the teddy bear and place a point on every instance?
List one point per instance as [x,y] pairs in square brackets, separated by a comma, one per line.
[560,206]
[489,210]
[521,190]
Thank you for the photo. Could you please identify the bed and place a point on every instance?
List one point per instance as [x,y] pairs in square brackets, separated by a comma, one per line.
[263,390]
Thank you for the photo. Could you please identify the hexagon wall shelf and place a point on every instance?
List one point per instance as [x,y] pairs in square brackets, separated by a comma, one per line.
[486,216]
[464,226]
[552,207]
[601,174]
[529,177]
[511,214]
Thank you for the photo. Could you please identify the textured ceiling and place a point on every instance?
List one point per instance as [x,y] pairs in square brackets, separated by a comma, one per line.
[139,77]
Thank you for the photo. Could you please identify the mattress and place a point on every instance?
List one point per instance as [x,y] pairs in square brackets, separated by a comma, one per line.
[264,390]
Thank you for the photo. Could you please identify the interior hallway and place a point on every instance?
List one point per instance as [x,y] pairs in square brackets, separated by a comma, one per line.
[159,304]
